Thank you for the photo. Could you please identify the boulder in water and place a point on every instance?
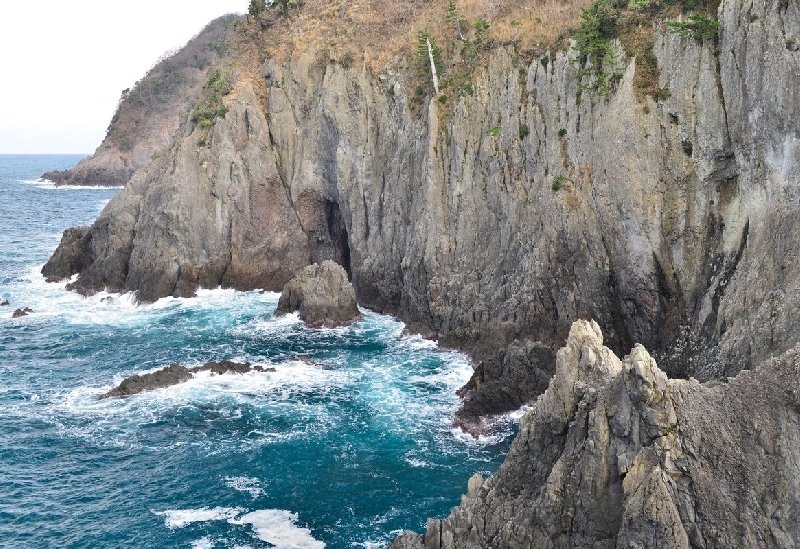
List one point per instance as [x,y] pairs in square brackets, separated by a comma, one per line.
[322,296]
[22,312]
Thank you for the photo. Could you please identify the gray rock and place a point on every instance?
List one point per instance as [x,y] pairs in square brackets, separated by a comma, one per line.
[174,374]
[675,226]
[615,454]
[73,255]
[322,296]
[515,376]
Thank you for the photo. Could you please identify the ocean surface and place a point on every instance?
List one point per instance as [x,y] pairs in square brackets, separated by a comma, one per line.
[345,452]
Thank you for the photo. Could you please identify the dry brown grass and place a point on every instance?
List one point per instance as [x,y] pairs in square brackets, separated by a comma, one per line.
[375,31]
[370,33]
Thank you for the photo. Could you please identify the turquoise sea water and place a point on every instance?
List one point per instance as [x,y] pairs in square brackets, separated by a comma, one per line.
[342,453]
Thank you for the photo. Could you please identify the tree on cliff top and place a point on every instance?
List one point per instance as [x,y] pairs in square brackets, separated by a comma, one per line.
[257,7]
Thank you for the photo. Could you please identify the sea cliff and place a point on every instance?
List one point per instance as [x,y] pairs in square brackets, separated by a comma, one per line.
[496,222]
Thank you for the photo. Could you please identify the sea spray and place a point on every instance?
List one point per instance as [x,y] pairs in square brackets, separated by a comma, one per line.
[349,441]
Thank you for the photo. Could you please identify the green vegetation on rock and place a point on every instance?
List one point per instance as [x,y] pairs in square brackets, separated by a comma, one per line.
[697,25]
[211,107]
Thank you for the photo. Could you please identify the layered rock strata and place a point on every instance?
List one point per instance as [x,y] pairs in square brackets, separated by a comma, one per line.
[615,454]
[321,295]
[673,223]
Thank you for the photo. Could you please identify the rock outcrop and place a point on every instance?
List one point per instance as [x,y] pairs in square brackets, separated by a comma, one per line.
[322,296]
[515,376]
[673,223]
[175,374]
[73,255]
[615,454]
[149,114]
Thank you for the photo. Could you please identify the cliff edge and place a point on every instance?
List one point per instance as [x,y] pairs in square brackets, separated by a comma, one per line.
[531,191]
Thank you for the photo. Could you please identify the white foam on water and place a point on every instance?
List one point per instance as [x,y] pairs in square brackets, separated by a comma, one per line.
[279,528]
[483,440]
[268,325]
[52,300]
[516,415]
[377,544]
[417,342]
[178,518]
[50,185]
[118,421]
[416,462]
[246,484]
[203,543]
[259,388]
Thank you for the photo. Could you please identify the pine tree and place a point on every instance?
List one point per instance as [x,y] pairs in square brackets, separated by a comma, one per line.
[257,7]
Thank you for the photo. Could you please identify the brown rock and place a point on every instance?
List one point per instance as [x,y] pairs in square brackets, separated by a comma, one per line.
[616,454]
[174,374]
[22,312]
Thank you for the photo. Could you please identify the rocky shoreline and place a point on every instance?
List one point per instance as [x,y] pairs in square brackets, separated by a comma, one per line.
[670,220]
[615,454]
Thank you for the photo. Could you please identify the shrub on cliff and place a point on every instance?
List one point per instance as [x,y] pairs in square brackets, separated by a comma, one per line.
[697,25]
[594,41]
[219,84]
[257,7]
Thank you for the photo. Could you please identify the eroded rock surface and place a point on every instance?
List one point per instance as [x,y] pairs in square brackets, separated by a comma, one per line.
[675,225]
[73,255]
[322,296]
[174,374]
[515,376]
[615,454]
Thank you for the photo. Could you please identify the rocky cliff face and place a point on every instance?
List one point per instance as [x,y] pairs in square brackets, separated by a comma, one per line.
[149,114]
[673,225]
[614,454]
[497,222]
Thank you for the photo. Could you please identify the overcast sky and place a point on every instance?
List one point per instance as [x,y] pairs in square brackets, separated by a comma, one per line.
[65,63]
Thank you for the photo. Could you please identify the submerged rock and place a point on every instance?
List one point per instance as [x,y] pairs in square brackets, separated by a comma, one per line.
[322,296]
[615,454]
[174,374]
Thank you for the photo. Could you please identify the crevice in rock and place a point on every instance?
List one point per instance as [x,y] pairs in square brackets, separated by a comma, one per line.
[708,330]
[337,230]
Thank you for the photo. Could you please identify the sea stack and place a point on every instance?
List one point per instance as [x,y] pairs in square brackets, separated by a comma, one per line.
[322,296]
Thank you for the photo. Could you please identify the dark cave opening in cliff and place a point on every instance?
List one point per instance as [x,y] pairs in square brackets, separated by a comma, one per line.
[340,240]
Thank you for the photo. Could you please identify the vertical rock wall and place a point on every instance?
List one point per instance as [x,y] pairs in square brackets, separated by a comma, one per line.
[663,228]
